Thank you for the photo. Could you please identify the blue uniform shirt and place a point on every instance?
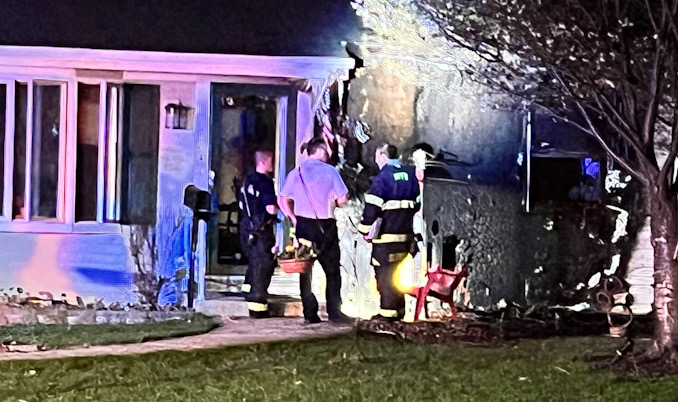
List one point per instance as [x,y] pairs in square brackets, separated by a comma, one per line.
[258,188]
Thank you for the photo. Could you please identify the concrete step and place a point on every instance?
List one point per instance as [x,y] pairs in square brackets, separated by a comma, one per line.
[281,283]
[224,283]
[234,305]
[224,307]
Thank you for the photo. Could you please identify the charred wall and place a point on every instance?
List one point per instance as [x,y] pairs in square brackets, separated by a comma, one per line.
[525,258]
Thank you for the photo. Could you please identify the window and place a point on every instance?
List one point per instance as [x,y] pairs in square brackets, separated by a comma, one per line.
[87,157]
[139,164]
[117,153]
[97,170]
[565,179]
[38,151]
[112,140]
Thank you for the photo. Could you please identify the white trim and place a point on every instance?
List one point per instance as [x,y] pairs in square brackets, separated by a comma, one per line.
[35,227]
[71,147]
[201,132]
[281,142]
[66,130]
[162,62]
[94,227]
[150,78]
[60,227]
[281,166]
[28,204]
[8,196]
[305,121]
[101,149]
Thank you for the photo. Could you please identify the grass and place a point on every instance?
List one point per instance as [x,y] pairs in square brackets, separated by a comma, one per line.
[345,368]
[59,336]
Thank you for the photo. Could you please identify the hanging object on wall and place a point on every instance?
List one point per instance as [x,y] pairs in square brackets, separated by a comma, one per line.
[177,116]
[360,133]
[323,116]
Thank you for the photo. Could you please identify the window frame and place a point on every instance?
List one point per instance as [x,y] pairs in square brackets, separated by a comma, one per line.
[8,157]
[66,185]
[102,223]
[27,224]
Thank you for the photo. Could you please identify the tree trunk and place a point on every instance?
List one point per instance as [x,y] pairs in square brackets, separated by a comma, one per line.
[664,225]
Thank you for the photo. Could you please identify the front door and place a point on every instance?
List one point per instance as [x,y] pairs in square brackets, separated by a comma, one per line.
[244,118]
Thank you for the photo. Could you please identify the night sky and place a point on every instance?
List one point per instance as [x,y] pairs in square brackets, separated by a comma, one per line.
[256,27]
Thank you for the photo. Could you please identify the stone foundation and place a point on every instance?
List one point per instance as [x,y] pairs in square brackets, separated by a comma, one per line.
[13,314]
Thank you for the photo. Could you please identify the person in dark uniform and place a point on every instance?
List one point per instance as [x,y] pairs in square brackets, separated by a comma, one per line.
[257,200]
[390,206]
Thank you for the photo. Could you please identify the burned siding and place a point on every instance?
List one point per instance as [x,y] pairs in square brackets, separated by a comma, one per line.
[524,258]
[486,217]
[546,255]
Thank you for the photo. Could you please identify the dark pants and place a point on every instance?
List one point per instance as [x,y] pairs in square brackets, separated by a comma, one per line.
[323,234]
[262,263]
[385,259]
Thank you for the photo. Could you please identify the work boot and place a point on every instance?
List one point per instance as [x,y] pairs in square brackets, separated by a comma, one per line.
[313,320]
[260,314]
[342,319]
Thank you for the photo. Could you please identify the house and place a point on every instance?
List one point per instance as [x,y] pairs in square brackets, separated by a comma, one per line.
[109,110]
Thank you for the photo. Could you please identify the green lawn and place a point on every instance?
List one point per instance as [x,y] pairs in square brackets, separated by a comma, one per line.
[60,336]
[341,368]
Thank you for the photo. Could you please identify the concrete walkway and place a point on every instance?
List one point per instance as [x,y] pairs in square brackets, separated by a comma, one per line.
[232,333]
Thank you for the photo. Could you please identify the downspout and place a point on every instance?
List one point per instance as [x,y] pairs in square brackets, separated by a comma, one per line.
[528,154]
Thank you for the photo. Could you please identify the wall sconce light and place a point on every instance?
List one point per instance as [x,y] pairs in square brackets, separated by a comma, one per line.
[176,116]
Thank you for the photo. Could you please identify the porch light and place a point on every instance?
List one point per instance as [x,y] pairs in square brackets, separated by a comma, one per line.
[176,116]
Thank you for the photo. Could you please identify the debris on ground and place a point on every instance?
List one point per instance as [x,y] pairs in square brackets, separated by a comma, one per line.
[500,326]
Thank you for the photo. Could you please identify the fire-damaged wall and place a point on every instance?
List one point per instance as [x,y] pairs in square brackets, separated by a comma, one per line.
[545,255]
[487,218]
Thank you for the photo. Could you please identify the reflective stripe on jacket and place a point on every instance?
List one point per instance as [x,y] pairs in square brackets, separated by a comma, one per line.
[394,197]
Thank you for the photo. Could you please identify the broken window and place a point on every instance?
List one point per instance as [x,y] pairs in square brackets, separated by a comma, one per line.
[449,251]
[565,179]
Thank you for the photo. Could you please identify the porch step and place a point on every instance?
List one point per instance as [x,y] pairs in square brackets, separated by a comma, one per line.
[234,305]
[224,283]
[281,284]
[227,269]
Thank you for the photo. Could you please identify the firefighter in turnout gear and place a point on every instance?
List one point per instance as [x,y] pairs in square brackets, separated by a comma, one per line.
[257,200]
[390,206]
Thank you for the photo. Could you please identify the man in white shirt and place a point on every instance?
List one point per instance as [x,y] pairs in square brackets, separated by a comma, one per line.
[311,193]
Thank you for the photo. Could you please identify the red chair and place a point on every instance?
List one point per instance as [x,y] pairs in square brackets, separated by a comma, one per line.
[441,285]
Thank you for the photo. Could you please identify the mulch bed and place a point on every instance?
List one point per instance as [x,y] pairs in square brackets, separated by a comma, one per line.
[498,327]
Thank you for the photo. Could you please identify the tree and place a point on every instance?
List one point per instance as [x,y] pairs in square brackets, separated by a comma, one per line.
[608,67]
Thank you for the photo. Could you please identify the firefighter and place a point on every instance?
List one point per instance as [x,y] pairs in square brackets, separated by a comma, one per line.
[257,200]
[390,206]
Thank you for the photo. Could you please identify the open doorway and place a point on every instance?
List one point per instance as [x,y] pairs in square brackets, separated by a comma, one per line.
[247,123]
[245,118]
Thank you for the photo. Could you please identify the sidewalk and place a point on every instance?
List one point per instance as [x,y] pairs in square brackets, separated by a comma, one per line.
[232,333]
